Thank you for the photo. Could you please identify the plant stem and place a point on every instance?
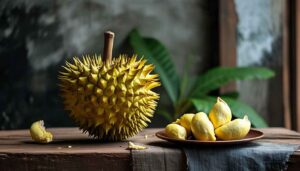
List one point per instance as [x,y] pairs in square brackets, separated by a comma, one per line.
[108,46]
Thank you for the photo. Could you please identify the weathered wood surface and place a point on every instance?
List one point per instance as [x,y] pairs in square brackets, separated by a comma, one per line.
[227,39]
[72,150]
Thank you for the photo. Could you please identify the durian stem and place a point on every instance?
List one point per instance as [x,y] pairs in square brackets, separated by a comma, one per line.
[108,46]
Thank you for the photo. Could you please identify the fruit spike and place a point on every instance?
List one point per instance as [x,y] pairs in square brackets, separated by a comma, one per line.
[111,99]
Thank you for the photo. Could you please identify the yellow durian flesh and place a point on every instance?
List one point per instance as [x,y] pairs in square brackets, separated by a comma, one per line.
[234,130]
[186,120]
[176,131]
[133,146]
[220,113]
[109,101]
[202,128]
[39,134]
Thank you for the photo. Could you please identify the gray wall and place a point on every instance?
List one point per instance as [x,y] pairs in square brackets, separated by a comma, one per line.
[37,36]
[259,35]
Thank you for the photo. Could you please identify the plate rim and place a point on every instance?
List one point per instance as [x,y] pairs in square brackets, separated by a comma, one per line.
[260,135]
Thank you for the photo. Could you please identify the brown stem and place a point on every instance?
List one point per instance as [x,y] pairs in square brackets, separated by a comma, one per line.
[108,46]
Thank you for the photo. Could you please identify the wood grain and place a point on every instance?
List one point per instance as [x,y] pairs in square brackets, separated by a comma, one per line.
[72,150]
[297,61]
[227,39]
[285,67]
[294,30]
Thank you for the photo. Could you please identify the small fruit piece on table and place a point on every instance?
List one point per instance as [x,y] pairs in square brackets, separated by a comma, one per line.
[202,128]
[233,130]
[39,134]
[220,114]
[186,121]
[132,146]
[176,131]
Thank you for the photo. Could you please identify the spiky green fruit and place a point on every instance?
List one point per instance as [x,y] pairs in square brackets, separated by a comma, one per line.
[110,101]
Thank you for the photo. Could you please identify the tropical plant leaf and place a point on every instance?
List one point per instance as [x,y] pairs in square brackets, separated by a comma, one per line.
[215,78]
[203,104]
[239,109]
[184,83]
[187,80]
[154,51]
[232,94]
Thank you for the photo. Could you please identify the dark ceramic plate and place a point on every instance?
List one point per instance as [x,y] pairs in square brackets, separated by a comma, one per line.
[251,136]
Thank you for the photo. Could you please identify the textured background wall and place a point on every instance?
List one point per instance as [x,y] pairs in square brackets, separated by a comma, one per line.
[259,35]
[37,36]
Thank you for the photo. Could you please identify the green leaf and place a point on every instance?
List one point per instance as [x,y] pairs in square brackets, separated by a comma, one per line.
[217,77]
[203,104]
[184,84]
[157,54]
[187,80]
[238,108]
[233,94]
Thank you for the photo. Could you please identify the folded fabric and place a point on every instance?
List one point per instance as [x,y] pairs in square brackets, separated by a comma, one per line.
[158,158]
[252,156]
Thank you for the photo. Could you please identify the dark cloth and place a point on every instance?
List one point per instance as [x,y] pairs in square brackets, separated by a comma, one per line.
[256,156]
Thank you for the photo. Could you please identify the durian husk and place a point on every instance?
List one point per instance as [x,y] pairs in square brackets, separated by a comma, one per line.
[111,101]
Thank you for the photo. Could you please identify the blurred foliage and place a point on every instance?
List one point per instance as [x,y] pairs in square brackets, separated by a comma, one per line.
[189,94]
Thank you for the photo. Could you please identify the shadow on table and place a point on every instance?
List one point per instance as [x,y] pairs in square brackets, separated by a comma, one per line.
[74,141]
[181,145]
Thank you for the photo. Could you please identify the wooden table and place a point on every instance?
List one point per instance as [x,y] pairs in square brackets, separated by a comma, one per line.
[72,150]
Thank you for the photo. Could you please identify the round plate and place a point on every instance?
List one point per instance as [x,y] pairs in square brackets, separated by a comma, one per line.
[252,135]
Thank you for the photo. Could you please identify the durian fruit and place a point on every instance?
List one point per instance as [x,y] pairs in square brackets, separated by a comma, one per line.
[111,99]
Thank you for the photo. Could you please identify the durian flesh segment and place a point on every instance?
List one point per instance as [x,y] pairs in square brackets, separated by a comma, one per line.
[133,146]
[39,134]
[110,102]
